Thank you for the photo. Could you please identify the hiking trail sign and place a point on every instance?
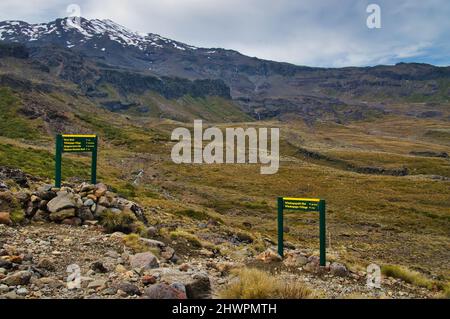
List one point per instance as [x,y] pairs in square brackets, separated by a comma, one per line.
[66,143]
[305,205]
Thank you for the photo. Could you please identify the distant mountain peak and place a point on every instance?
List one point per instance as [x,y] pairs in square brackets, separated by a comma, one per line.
[78,31]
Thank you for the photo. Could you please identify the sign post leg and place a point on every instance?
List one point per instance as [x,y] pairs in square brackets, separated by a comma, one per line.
[280,228]
[94,164]
[323,238]
[58,160]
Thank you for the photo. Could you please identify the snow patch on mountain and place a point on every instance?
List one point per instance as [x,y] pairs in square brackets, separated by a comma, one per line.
[80,31]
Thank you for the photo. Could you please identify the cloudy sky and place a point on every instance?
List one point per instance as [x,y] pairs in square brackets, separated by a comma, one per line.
[331,33]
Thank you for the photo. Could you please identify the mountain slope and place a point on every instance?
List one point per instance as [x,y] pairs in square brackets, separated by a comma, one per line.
[263,89]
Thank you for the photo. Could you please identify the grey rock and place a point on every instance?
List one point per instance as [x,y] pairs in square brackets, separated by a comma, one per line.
[99,283]
[301,260]
[22,291]
[152,243]
[10,295]
[198,285]
[4,289]
[20,278]
[129,288]
[63,201]
[164,291]
[144,261]
[46,264]
[89,202]
[85,213]
[48,281]
[74,221]
[6,264]
[151,231]
[45,188]
[168,253]
[311,267]
[179,286]
[40,216]
[104,201]
[62,214]
[338,270]
[99,209]
[98,267]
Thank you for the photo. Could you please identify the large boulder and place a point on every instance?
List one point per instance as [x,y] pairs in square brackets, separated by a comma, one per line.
[63,214]
[197,284]
[128,288]
[338,270]
[144,261]
[64,200]
[164,291]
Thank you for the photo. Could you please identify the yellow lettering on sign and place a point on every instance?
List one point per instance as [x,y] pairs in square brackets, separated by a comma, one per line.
[302,199]
[75,135]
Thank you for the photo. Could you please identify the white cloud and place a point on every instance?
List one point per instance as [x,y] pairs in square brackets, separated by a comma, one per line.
[307,32]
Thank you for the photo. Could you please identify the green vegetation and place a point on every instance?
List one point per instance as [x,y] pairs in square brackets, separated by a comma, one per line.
[124,222]
[190,238]
[257,284]
[17,215]
[39,162]
[105,129]
[12,124]
[409,276]
[134,242]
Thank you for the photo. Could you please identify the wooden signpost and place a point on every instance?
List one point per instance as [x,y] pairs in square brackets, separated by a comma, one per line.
[66,143]
[305,205]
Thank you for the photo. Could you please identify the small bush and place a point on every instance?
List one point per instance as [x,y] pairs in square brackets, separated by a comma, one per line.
[17,215]
[445,291]
[134,242]
[257,284]
[124,222]
[190,238]
[409,276]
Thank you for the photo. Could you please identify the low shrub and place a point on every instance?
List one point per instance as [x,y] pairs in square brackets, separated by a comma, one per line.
[409,276]
[256,284]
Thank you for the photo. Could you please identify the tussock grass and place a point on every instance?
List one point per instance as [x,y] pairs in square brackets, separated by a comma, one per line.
[124,222]
[409,276]
[256,284]
[446,292]
[190,238]
[134,242]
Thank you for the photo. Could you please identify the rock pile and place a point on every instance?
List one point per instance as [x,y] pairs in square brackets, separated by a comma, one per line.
[85,204]
[38,261]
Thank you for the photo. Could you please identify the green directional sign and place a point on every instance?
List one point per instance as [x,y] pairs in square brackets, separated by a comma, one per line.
[305,205]
[75,143]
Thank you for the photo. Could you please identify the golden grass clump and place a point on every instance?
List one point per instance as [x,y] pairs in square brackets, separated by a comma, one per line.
[409,276]
[190,238]
[134,242]
[256,284]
